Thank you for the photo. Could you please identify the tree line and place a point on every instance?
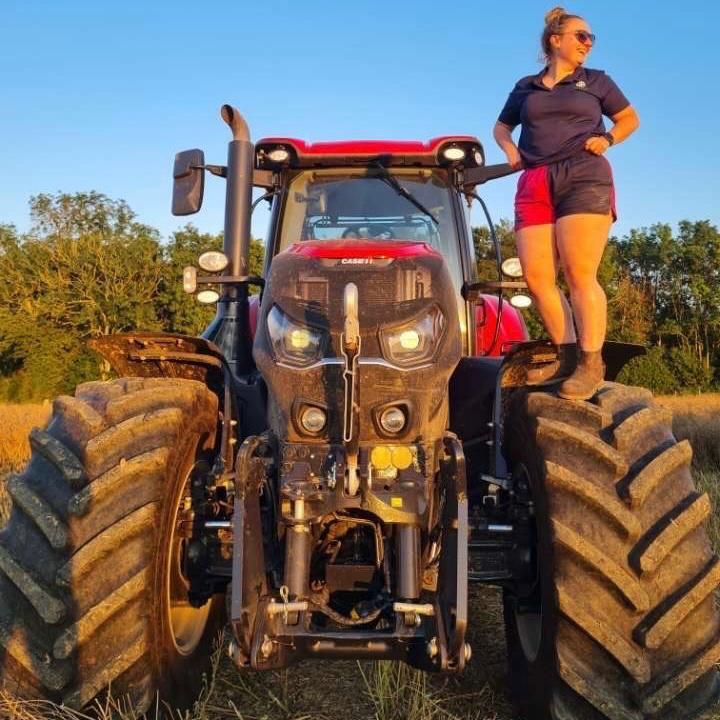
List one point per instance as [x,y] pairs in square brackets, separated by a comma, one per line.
[88,267]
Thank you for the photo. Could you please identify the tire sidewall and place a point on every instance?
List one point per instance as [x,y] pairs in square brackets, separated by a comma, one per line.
[180,677]
[532,681]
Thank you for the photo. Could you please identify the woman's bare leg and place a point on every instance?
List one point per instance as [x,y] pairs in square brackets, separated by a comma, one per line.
[580,241]
[538,255]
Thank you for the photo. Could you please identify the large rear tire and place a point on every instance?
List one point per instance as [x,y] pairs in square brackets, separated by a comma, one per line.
[91,587]
[622,624]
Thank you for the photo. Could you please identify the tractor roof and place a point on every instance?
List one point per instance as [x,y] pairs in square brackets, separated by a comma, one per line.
[358,152]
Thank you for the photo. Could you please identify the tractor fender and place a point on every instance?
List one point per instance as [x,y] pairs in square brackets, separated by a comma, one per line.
[512,327]
[478,385]
[147,354]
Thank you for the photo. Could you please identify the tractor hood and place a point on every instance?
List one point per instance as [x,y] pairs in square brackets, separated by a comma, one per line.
[409,339]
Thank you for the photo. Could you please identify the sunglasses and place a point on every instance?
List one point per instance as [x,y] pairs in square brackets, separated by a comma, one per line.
[581,36]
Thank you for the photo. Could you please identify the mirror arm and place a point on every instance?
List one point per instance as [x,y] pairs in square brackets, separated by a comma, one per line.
[468,178]
[261,178]
[230,280]
[266,179]
[471,291]
[217,170]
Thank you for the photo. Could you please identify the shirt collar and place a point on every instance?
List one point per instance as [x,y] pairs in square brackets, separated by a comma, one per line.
[579,74]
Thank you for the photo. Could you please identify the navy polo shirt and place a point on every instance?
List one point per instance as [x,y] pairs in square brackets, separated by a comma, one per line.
[557,121]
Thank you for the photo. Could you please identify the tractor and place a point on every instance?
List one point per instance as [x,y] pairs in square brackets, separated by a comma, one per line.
[328,467]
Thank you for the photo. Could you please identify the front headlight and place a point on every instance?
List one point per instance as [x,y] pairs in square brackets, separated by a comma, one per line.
[415,341]
[291,342]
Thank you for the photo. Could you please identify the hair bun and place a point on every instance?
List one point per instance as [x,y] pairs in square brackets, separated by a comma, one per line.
[554,15]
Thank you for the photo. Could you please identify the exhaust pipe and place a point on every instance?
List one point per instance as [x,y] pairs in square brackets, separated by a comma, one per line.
[230,329]
[238,193]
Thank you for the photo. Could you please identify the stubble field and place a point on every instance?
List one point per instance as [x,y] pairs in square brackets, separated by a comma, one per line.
[350,690]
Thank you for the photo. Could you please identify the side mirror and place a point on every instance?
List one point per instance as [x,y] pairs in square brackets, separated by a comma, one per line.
[188,182]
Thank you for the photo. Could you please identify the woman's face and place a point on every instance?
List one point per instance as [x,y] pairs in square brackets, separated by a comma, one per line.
[570,48]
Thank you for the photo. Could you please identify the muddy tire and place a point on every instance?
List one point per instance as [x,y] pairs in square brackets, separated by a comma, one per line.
[622,624]
[90,587]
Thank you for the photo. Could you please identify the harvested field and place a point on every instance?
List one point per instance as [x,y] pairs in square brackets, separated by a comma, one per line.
[373,691]
[16,421]
[698,420]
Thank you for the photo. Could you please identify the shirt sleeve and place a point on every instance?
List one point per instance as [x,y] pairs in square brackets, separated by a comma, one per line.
[612,100]
[510,114]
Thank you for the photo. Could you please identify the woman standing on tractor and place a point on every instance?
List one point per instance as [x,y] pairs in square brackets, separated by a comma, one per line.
[565,201]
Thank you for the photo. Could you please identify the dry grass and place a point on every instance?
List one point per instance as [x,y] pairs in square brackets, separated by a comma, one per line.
[697,419]
[369,691]
[704,404]
[16,421]
[342,690]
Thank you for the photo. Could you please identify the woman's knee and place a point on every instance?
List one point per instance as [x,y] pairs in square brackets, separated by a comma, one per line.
[580,277]
[540,282]
[583,284]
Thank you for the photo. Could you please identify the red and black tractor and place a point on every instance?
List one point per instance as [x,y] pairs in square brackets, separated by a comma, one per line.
[334,460]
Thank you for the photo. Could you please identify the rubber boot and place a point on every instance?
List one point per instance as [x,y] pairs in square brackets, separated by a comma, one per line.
[586,379]
[558,369]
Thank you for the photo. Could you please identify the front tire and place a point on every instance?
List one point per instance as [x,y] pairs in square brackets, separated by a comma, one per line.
[623,624]
[91,591]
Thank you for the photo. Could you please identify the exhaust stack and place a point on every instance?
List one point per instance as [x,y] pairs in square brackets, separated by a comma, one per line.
[238,193]
[230,329]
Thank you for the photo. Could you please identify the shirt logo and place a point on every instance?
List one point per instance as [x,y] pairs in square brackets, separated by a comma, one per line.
[580,84]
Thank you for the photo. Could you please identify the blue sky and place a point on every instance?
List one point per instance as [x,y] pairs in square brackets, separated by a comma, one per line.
[100,95]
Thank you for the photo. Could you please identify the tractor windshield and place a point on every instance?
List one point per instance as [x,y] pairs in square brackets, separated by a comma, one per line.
[350,204]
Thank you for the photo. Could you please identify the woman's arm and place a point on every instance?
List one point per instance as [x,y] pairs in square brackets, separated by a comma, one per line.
[625,123]
[503,137]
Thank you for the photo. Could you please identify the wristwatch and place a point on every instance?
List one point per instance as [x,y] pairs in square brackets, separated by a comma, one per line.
[608,136]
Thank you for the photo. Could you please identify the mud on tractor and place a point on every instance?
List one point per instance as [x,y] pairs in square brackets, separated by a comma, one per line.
[332,462]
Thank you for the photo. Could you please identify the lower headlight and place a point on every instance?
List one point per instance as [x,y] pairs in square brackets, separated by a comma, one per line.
[313,419]
[392,420]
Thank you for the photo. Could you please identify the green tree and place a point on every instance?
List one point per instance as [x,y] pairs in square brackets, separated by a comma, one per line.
[680,277]
[86,269]
[650,371]
[689,371]
[178,311]
[99,269]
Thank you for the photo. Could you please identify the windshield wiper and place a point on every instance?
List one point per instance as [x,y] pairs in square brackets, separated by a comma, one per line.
[393,182]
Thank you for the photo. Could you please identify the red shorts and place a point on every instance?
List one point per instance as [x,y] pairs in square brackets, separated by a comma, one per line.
[580,184]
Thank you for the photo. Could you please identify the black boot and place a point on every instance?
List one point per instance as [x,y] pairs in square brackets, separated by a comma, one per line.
[557,369]
[586,379]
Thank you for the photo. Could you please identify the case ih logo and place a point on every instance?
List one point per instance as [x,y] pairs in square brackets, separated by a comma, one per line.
[356,261]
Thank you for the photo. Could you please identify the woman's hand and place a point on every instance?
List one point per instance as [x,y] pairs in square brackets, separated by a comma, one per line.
[503,137]
[597,145]
[513,157]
